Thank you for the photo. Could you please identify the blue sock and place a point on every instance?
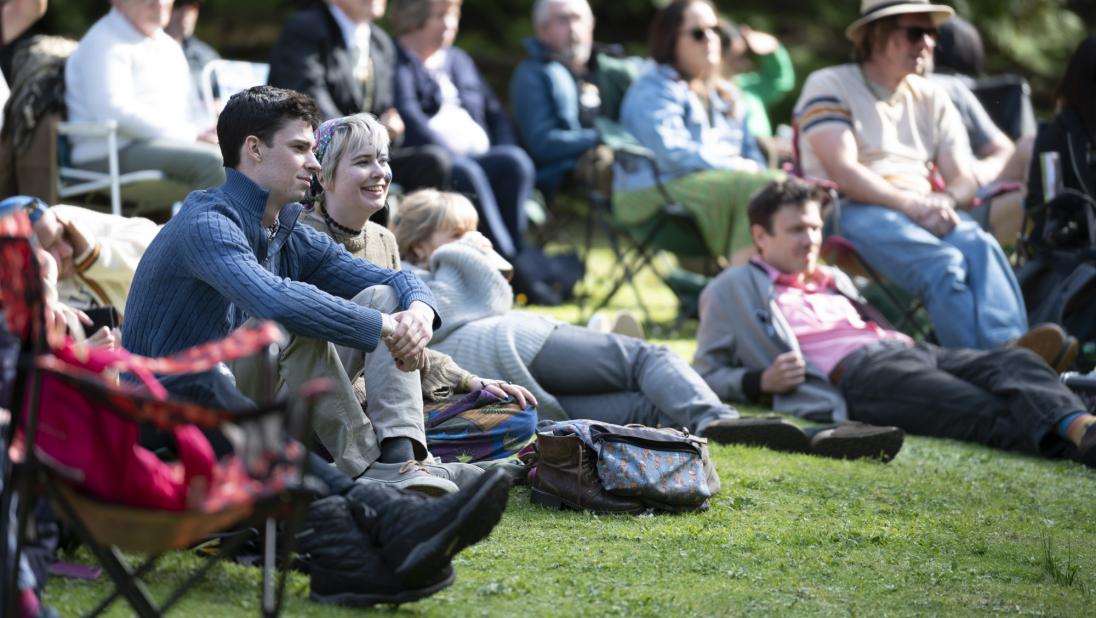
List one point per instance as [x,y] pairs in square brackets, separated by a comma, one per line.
[1063,425]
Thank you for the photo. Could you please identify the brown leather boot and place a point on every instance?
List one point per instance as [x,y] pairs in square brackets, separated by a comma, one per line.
[566,476]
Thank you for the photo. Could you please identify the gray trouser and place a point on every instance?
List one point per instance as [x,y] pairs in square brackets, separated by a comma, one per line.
[197,165]
[352,437]
[617,379]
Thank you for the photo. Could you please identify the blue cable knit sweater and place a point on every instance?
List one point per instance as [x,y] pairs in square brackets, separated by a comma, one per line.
[210,269]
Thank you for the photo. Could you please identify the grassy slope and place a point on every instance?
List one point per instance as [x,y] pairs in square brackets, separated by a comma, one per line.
[946,528]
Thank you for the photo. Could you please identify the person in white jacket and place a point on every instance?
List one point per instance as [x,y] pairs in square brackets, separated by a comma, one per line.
[96,253]
[128,70]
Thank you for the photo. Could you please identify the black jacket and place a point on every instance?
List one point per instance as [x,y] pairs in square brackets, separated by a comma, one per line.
[312,57]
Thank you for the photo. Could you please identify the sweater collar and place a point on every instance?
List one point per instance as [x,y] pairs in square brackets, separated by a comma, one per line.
[251,199]
[246,193]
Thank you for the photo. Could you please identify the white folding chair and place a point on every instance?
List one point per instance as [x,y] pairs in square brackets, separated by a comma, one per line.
[230,77]
[72,181]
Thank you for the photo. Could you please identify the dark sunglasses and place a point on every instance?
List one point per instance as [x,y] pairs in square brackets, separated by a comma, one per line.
[699,34]
[914,34]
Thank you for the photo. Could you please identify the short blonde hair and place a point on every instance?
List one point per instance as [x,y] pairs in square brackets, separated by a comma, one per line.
[410,15]
[348,134]
[427,211]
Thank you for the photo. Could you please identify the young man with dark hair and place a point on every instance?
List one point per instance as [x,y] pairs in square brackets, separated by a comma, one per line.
[787,327]
[235,253]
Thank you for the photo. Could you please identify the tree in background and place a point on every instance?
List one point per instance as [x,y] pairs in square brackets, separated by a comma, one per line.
[1030,37]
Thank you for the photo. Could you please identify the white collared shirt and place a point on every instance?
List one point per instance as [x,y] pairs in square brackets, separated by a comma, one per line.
[357,36]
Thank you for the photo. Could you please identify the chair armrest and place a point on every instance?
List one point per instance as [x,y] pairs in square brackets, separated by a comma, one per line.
[622,142]
[88,128]
[245,341]
[619,140]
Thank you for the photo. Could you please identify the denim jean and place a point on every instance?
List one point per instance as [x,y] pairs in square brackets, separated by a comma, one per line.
[1008,399]
[499,182]
[967,284]
[617,379]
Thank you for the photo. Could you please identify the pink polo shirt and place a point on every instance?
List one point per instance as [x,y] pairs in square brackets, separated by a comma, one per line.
[825,322]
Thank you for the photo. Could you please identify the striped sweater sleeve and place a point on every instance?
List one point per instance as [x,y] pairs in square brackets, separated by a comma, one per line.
[821,103]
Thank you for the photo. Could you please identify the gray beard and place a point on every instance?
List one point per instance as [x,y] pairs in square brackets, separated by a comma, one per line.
[574,56]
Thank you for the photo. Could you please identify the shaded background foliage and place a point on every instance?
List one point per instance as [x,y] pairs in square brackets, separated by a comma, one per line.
[1029,37]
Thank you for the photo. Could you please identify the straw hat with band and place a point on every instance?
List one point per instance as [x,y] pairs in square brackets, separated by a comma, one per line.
[871,10]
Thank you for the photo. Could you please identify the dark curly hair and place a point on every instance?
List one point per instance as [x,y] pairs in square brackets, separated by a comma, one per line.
[768,200]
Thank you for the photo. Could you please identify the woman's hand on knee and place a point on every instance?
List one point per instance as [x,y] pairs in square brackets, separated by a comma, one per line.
[504,390]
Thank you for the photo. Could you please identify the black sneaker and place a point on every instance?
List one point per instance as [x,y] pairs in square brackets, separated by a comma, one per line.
[769,431]
[417,535]
[854,440]
[347,568]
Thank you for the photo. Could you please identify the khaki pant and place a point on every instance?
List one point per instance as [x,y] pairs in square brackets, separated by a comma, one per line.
[352,437]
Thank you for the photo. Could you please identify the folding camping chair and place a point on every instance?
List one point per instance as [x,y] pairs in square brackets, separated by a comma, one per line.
[66,410]
[672,229]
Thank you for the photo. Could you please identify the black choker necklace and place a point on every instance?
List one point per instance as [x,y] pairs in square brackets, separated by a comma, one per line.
[335,224]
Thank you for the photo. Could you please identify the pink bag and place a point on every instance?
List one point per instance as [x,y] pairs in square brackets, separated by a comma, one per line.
[97,449]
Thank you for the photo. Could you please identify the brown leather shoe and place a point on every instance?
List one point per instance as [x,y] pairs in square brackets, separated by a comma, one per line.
[768,431]
[853,440]
[1047,340]
[566,476]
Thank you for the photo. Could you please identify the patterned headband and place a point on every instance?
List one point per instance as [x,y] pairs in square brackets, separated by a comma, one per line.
[324,134]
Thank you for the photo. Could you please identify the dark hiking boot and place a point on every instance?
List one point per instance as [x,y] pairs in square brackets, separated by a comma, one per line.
[418,535]
[346,567]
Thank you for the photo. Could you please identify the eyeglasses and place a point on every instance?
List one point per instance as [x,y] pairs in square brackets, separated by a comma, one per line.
[699,34]
[915,34]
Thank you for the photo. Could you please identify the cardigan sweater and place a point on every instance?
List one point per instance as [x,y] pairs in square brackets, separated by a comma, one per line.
[481,332]
[441,377]
[212,267]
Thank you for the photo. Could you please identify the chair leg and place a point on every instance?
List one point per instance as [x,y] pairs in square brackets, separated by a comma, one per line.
[228,549]
[270,541]
[125,582]
[139,573]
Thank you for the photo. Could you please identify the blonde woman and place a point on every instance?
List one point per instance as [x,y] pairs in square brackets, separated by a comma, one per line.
[355,176]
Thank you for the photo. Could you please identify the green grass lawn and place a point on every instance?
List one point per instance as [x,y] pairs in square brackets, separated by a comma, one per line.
[946,528]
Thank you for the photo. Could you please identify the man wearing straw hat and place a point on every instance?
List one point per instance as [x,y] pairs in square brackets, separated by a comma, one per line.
[882,133]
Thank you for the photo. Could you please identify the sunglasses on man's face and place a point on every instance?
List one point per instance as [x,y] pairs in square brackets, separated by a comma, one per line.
[914,34]
[700,34]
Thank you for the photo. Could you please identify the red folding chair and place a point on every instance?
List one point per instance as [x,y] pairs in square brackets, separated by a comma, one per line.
[72,423]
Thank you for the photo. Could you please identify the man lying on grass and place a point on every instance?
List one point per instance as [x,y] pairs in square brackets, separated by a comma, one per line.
[785,326]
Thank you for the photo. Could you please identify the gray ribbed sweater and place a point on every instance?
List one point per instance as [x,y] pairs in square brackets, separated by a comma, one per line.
[210,269]
[481,332]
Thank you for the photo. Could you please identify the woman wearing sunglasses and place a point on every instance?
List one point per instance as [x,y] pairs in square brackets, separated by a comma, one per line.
[696,124]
